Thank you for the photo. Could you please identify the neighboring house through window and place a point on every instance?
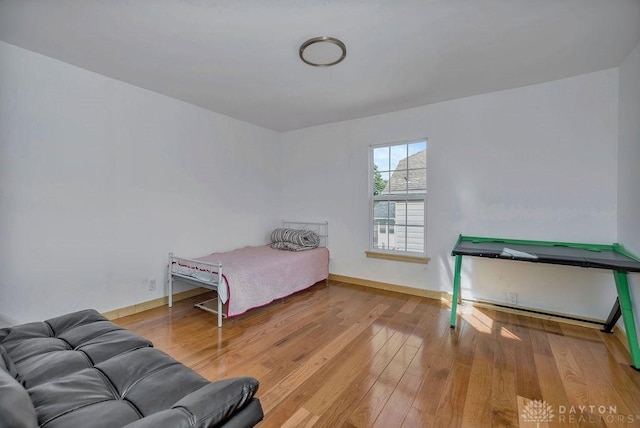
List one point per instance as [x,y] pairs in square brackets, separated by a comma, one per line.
[398,194]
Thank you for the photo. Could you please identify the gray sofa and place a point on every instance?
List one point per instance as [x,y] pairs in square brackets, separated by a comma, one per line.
[81,370]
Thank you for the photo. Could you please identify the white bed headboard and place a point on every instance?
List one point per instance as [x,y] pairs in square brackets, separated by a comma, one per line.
[322,229]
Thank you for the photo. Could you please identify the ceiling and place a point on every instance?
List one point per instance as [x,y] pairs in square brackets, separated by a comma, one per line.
[240,57]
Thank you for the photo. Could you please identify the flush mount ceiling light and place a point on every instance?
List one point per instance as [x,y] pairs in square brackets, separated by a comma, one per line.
[322,51]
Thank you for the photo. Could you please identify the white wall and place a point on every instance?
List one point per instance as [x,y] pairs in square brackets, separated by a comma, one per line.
[99,180]
[537,162]
[629,164]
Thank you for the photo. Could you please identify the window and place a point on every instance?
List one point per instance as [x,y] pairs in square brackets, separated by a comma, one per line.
[398,195]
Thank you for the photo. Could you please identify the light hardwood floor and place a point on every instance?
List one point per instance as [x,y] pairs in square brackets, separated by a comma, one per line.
[344,355]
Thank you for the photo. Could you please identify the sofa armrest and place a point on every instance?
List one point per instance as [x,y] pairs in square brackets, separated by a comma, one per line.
[16,408]
[219,400]
[210,406]
[174,418]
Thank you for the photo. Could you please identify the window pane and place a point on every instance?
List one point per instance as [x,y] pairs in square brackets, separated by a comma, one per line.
[398,153]
[383,211]
[409,226]
[381,158]
[416,147]
[415,238]
[401,225]
[398,182]
[400,212]
[383,216]
[380,181]
[415,213]
[417,158]
[417,181]
[380,240]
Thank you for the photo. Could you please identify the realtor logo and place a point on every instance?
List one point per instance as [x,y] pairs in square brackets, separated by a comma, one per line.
[542,414]
[537,411]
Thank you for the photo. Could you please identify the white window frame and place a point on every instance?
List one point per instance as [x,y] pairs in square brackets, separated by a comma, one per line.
[402,255]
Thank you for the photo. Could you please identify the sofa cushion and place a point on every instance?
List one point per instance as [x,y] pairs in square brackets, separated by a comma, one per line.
[16,409]
[150,379]
[86,392]
[106,414]
[66,322]
[42,368]
[45,351]
[26,340]
[110,344]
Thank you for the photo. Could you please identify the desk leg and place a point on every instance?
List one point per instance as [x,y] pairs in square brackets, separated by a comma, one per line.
[456,291]
[614,316]
[627,316]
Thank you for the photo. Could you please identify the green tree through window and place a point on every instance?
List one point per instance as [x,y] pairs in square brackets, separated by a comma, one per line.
[379,183]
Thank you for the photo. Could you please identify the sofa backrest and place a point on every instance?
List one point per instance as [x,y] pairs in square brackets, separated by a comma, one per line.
[44,351]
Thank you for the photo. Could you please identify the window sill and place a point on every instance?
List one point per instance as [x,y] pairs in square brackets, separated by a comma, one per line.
[397,257]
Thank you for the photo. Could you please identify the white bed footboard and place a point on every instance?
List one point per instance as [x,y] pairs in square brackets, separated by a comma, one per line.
[203,274]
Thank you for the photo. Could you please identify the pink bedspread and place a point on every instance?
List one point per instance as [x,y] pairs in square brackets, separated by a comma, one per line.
[257,276]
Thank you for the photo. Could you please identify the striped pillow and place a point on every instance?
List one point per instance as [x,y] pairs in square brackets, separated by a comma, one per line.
[294,239]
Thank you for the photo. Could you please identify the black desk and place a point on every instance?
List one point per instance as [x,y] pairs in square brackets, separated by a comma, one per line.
[612,257]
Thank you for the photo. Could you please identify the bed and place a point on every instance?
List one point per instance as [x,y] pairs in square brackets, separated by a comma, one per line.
[251,277]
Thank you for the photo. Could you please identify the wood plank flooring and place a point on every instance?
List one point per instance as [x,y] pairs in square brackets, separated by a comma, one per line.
[344,355]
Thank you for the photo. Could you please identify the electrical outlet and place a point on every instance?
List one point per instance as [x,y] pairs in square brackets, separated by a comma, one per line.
[512,298]
[152,284]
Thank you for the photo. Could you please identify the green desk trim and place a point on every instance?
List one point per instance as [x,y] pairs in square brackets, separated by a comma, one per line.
[620,277]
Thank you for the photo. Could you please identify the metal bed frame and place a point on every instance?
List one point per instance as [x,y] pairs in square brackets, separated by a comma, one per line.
[212,268]
[215,269]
